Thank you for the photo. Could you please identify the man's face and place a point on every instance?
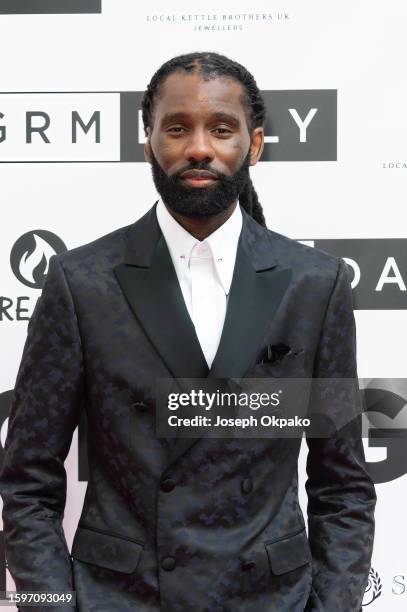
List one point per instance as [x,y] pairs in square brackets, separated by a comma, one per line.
[200,148]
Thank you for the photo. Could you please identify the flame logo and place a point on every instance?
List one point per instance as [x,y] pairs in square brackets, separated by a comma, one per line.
[30,256]
[34,264]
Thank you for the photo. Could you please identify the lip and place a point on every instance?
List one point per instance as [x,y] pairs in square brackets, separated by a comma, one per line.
[198,178]
[196,181]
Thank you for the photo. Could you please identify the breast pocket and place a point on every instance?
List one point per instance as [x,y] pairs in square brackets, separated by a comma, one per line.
[288,553]
[290,365]
[106,550]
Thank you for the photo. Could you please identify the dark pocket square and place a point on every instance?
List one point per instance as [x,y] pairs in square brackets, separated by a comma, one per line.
[274,353]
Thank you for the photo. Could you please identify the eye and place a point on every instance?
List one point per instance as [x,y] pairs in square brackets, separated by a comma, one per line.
[222,131]
[176,129]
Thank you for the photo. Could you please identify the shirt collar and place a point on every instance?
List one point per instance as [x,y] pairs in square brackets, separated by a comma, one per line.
[223,242]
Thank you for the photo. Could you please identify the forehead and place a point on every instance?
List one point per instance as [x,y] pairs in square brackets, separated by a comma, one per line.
[192,95]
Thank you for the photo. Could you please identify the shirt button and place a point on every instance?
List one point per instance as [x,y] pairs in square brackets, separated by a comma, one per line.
[168,564]
[247,485]
[167,485]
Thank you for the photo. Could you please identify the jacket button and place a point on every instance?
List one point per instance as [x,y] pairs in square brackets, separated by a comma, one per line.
[247,485]
[248,565]
[168,563]
[167,485]
[141,406]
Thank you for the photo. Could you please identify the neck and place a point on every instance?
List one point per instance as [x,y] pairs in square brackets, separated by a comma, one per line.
[202,227]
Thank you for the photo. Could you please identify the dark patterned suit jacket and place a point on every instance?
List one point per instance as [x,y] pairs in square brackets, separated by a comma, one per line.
[202,525]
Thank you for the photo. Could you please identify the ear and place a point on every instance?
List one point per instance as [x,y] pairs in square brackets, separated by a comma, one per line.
[256,145]
[147,147]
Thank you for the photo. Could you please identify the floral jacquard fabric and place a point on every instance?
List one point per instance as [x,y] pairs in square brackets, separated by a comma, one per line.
[172,525]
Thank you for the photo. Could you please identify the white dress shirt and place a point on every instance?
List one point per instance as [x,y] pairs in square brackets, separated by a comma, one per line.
[204,270]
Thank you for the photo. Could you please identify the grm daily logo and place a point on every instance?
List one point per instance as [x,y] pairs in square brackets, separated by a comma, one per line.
[301,125]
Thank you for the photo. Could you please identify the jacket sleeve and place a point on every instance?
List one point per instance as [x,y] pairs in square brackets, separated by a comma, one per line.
[44,414]
[341,493]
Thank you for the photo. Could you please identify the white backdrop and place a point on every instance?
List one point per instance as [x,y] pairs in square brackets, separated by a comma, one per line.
[357,49]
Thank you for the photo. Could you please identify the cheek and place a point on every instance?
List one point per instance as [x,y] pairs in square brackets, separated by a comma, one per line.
[232,155]
[166,153]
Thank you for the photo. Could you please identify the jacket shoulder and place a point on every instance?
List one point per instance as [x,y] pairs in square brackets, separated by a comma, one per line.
[302,256]
[108,248]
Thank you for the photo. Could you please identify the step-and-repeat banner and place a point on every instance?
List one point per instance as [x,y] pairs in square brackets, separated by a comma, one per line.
[332,175]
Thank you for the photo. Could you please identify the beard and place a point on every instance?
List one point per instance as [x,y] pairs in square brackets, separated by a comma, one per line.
[200,201]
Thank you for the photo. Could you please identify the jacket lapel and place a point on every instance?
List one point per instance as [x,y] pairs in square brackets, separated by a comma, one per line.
[150,284]
[255,294]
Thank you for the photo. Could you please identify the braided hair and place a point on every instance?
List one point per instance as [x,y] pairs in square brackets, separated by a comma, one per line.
[212,65]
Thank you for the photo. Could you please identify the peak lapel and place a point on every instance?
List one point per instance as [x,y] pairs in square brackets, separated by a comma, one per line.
[150,284]
[258,286]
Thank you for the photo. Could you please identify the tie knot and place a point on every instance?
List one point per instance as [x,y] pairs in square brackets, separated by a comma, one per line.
[201,250]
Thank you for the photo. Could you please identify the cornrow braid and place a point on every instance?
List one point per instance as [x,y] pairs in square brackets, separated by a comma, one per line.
[212,65]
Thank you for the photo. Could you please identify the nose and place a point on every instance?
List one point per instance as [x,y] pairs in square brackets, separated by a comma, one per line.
[199,147]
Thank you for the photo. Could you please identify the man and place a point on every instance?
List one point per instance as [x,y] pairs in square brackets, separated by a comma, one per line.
[197,288]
